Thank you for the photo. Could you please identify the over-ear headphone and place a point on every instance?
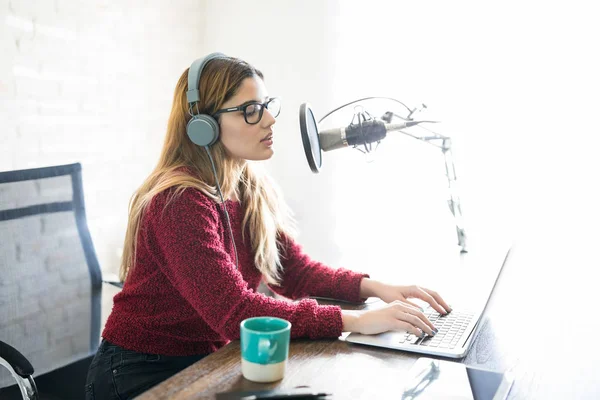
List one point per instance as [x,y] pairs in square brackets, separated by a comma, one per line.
[202,129]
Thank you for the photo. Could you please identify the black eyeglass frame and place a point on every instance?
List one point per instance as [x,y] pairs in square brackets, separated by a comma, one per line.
[242,108]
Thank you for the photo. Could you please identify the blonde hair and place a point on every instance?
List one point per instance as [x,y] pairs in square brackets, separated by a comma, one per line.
[183,165]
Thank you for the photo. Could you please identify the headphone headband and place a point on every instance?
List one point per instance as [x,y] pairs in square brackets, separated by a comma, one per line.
[202,129]
[193,93]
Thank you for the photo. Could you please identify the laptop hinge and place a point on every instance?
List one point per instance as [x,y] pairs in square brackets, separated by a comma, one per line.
[470,333]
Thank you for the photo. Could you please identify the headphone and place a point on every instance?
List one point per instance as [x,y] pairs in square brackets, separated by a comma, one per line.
[202,129]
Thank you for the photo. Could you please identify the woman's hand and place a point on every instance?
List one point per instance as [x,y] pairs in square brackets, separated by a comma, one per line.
[391,293]
[396,316]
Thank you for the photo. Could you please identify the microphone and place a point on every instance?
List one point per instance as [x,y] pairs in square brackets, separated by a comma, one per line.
[315,141]
[355,134]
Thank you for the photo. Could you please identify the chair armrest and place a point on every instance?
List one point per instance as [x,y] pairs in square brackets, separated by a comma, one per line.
[17,361]
[118,284]
[112,279]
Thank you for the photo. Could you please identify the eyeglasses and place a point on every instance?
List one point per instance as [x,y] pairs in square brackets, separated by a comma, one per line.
[253,110]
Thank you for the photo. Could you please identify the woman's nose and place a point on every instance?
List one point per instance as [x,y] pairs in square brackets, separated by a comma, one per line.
[268,117]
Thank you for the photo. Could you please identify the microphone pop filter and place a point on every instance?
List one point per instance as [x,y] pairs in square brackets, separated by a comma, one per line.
[310,137]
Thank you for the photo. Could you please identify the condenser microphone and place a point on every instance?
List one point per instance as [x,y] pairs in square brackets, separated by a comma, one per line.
[357,134]
[331,139]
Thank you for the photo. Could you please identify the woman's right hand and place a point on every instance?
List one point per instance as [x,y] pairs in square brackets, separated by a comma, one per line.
[395,316]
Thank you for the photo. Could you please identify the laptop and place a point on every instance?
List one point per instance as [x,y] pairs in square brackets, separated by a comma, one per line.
[478,274]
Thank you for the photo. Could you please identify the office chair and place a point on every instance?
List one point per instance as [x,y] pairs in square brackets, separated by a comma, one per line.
[50,285]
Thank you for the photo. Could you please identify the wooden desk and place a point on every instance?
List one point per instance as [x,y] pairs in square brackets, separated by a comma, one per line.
[538,319]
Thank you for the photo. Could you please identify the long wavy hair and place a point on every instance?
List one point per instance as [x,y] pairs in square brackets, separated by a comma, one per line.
[183,165]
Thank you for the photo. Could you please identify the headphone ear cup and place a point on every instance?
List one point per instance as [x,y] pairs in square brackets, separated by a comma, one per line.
[203,130]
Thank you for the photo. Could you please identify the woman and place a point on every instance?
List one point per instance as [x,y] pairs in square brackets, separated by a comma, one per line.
[192,263]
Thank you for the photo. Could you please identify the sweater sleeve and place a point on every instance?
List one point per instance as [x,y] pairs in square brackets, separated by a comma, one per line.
[194,260]
[303,277]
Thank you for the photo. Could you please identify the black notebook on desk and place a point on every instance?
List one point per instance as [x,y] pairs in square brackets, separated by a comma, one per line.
[431,379]
[297,393]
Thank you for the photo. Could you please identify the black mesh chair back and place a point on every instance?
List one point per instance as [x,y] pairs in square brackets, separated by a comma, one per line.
[50,279]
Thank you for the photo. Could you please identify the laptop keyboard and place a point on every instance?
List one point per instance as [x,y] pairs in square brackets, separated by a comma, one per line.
[450,329]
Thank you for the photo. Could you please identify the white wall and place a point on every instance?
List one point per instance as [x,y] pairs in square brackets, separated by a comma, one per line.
[514,83]
[92,82]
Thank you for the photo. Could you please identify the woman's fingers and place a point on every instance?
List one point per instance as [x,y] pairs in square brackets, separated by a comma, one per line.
[437,298]
[419,293]
[418,307]
[418,322]
[408,304]
[406,326]
[416,318]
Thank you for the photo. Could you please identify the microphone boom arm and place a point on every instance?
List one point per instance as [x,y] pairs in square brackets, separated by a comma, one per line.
[454,199]
[367,130]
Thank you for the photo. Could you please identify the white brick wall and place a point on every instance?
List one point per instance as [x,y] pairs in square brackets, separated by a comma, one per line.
[92,82]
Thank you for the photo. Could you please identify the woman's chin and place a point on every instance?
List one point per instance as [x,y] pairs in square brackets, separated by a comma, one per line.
[265,154]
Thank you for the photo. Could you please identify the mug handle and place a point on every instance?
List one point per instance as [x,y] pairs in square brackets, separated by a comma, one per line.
[266,349]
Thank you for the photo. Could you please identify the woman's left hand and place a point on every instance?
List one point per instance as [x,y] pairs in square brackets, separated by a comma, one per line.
[390,293]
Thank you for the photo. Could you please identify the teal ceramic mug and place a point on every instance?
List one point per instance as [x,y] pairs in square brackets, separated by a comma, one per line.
[265,343]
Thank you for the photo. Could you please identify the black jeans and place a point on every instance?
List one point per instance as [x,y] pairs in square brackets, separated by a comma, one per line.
[119,374]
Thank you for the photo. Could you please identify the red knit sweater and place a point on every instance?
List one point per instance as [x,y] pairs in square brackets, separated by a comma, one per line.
[185,296]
